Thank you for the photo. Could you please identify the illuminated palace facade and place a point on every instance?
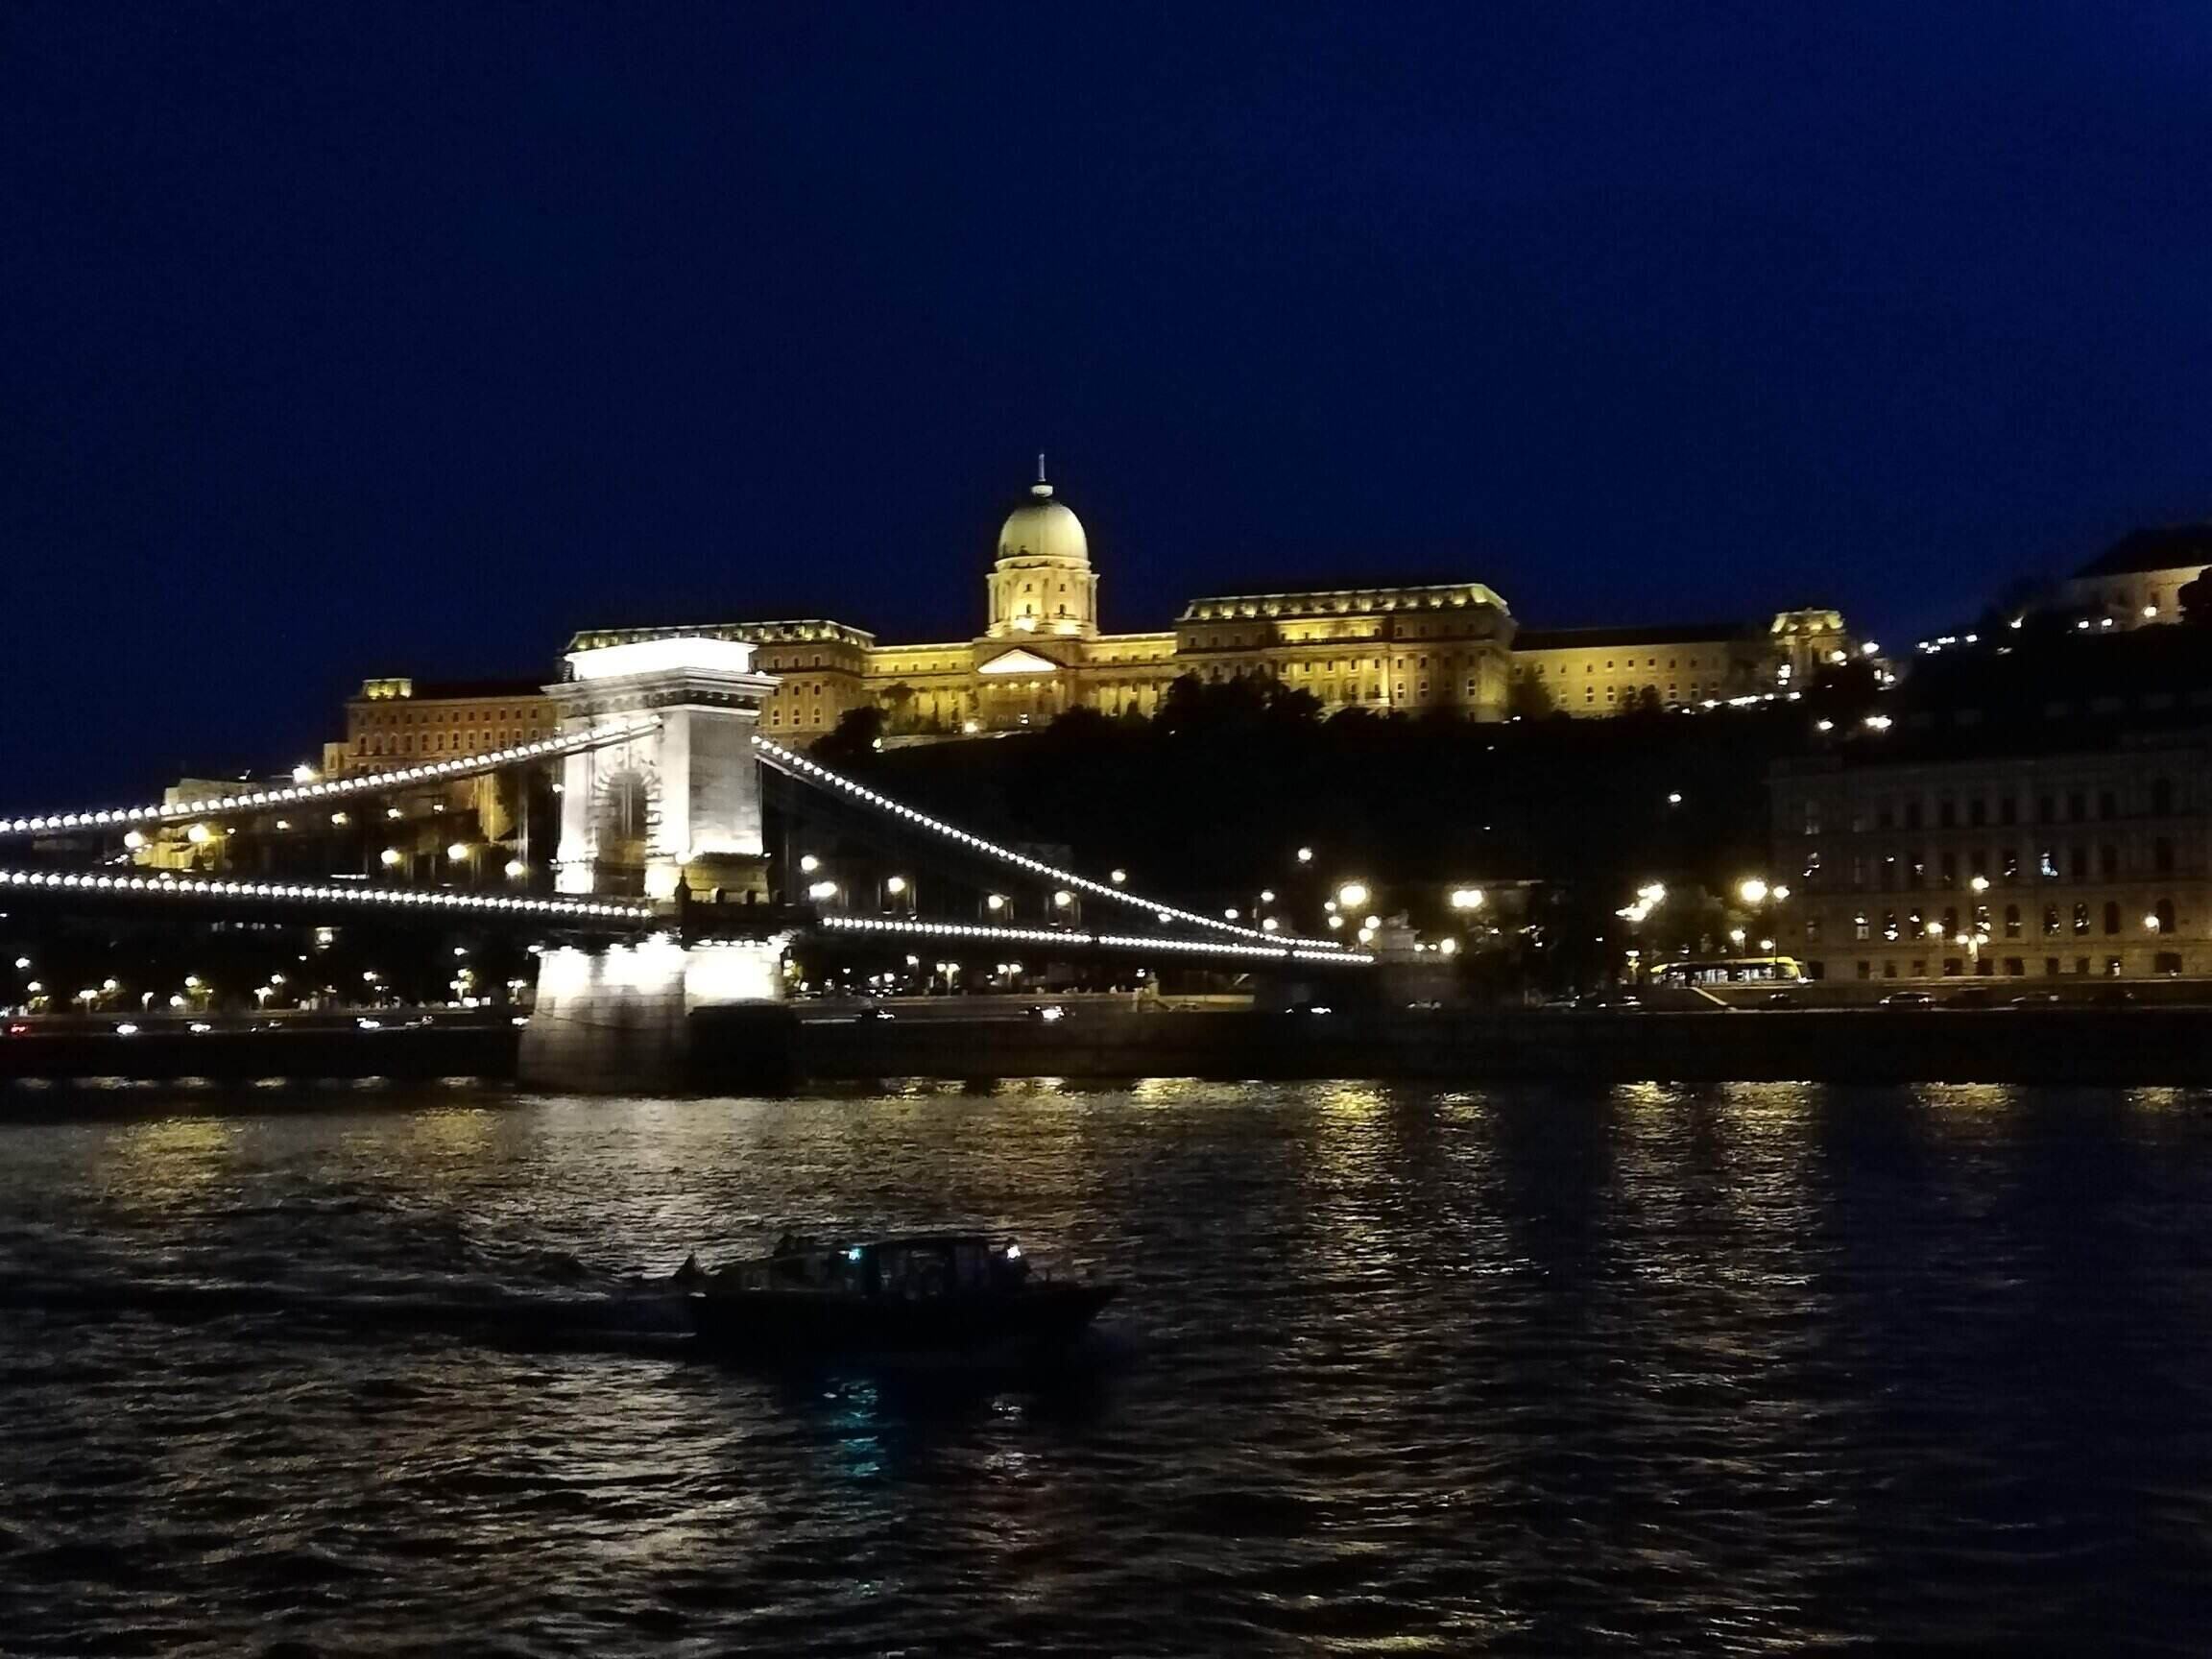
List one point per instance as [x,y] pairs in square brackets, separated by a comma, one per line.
[1438,646]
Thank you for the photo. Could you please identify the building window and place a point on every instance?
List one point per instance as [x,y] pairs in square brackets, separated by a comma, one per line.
[2077,806]
[1952,966]
[1890,925]
[1813,927]
[2007,810]
[1889,970]
[1950,923]
[2050,965]
[2107,804]
[2166,962]
[1946,813]
[1859,926]
[2162,913]
[1977,812]
[2081,917]
[2012,921]
[1865,969]
[2162,855]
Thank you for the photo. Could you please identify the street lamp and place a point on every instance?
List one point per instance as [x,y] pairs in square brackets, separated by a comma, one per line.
[1466,898]
[1752,891]
[1304,855]
[1120,876]
[1352,895]
[808,864]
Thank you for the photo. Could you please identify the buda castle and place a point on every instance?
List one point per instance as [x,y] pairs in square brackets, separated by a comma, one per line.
[1450,646]
[1447,646]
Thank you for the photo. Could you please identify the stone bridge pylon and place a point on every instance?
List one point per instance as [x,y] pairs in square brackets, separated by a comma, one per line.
[676,806]
[680,803]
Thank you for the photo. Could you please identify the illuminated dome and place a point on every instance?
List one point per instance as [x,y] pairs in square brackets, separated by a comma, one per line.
[1043,528]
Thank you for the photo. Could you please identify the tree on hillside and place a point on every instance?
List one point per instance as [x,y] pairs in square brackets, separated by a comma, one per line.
[1529,700]
[852,738]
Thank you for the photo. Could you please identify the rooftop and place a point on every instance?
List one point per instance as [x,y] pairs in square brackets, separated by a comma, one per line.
[1330,601]
[384,691]
[796,631]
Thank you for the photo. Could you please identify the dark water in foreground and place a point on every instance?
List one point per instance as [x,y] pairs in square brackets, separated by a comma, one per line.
[1756,1369]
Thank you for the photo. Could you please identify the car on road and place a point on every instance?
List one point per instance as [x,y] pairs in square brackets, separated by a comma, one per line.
[1907,999]
[1973,997]
[2038,1000]
[1608,1002]
[1781,999]
[1049,1011]
[873,1013]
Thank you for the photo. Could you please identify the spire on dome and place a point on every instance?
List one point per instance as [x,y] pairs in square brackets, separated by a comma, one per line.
[1041,489]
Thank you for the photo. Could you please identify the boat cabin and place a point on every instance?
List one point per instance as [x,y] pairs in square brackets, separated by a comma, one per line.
[911,1268]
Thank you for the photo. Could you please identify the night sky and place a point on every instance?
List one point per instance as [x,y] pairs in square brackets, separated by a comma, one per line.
[340,340]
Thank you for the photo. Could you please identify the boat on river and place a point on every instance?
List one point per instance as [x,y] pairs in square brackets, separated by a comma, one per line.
[927,1296]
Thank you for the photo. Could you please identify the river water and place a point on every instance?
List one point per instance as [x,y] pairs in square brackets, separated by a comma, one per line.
[1754,1369]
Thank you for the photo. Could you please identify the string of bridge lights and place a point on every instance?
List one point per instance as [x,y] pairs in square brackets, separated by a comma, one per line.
[1065,936]
[813,770]
[366,898]
[365,784]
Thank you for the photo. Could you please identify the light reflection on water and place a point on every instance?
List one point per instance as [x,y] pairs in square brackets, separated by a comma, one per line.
[1651,1369]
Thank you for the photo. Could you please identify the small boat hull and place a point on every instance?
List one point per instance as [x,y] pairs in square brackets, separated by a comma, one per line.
[1028,1323]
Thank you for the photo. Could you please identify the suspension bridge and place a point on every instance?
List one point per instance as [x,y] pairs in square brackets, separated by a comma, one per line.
[666,899]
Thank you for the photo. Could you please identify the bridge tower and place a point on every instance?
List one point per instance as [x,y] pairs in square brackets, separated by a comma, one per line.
[679,804]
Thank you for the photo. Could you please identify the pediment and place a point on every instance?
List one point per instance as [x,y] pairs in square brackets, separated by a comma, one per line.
[1017,661]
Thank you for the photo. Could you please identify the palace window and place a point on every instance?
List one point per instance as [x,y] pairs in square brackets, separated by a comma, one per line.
[2012,921]
[2081,917]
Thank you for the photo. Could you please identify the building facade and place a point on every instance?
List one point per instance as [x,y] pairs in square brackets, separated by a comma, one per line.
[2137,581]
[1442,646]
[2086,864]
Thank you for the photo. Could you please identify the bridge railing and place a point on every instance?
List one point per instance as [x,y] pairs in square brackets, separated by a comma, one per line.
[382,782]
[814,772]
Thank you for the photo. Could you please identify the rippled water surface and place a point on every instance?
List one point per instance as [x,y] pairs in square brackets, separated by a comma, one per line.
[1755,1369]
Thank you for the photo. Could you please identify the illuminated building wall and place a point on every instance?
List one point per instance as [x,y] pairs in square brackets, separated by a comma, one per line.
[2138,580]
[2043,866]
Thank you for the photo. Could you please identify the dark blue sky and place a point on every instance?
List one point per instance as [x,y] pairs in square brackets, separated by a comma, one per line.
[350,339]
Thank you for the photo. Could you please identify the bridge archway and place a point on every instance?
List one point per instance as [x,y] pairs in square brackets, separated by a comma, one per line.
[678,804]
